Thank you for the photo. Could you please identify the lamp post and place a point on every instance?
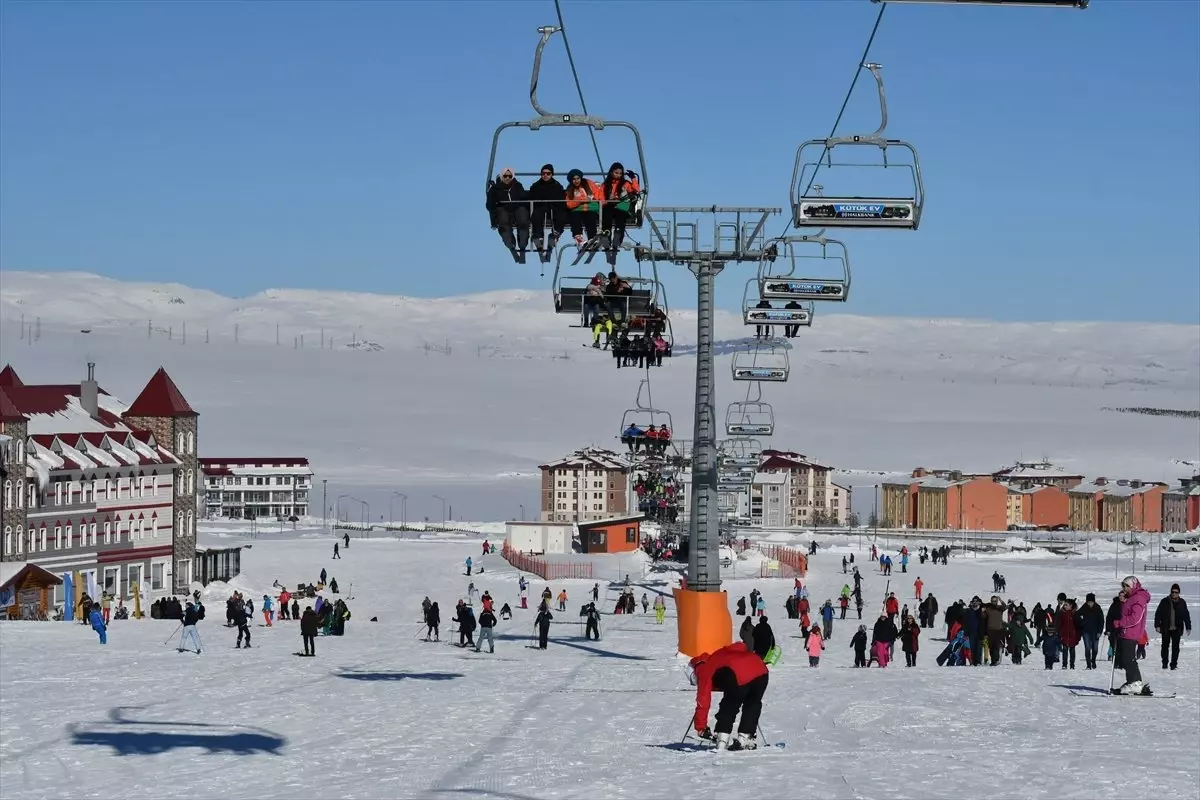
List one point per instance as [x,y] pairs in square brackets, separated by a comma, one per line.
[437,497]
[338,506]
[325,504]
[366,509]
[522,512]
[403,502]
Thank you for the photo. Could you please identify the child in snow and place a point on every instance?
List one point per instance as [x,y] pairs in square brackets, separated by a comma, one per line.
[505,612]
[1050,646]
[859,643]
[266,609]
[97,620]
[660,609]
[815,645]
[760,607]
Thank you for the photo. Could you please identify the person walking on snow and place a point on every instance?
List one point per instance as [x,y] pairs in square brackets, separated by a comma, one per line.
[660,609]
[346,540]
[742,678]
[191,615]
[645,603]
[469,563]
[266,610]
[433,618]
[308,630]
[1171,620]
[815,645]
[522,588]
[487,621]
[918,585]
[595,592]
[238,612]
[542,623]
[827,618]
[562,600]
[593,622]
[98,625]
[472,593]
[1131,628]
[336,554]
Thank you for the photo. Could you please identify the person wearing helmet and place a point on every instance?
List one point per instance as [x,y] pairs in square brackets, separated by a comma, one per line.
[1131,628]
[741,677]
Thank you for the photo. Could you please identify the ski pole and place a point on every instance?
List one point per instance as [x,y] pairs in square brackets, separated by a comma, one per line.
[172,636]
[1112,672]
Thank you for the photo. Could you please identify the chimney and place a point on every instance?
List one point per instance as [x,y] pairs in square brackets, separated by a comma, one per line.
[1135,484]
[89,392]
[955,475]
[1122,482]
[1101,481]
[919,472]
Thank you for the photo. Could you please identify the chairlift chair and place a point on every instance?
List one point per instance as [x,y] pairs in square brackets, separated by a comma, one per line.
[800,314]
[749,418]
[740,452]
[549,119]
[570,291]
[844,211]
[762,361]
[832,257]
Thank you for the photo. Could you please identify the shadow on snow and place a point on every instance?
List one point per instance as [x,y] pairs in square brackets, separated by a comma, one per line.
[129,737]
[398,676]
[578,643]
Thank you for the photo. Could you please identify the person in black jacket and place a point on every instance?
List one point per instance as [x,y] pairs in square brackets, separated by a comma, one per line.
[1171,619]
[466,625]
[238,614]
[487,621]
[549,201]
[433,618]
[543,626]
[859,643]
[593,622]
[1113,616]
[763,638]
[507,202]
[884,631]
[308,631]
[1089,620]
[191,615]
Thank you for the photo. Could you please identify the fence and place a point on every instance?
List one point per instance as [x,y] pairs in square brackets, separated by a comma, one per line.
[546,570]
[786,556]
[776,569]
[1173,567]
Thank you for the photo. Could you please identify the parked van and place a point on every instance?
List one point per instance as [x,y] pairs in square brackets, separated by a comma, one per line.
[1177,543]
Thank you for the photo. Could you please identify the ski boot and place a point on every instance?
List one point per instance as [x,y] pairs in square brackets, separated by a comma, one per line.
[1133,687]
[721,742]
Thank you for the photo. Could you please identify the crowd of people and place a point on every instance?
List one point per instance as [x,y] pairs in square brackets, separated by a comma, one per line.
[657,496]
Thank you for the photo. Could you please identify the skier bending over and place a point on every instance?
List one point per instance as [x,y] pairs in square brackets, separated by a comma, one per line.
[741,677]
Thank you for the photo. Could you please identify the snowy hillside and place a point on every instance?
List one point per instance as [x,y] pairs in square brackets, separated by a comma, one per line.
[465,396]
[379,713]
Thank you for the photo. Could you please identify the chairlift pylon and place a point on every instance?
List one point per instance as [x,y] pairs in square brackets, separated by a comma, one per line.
[857,211]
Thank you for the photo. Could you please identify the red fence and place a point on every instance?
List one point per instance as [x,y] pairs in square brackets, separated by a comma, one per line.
[786,556]
[546,570]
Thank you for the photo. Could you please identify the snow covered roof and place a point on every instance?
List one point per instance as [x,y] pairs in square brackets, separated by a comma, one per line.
[46,453]
[590,457]
[255,466]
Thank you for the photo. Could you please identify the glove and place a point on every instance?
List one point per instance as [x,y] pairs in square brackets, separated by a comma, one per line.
[706,733]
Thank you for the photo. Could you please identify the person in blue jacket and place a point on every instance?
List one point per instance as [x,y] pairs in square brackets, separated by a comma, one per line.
[98,624]
[469,564]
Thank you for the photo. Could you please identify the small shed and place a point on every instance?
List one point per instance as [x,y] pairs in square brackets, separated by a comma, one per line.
[27,591]
[615,535]
[217,563]
[539,538]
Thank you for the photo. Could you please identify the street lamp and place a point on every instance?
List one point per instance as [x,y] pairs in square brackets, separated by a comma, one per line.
[522,512]
[403,503]
[438,497]
[324,504]
[338,504]
[366,509]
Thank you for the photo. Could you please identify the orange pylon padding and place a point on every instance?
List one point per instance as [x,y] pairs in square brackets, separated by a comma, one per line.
[705,624]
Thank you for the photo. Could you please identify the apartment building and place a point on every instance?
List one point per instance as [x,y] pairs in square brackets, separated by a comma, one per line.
[945,500]
[1038,505]
[256,488]
[809,493]
[90,486]
[588,485]
[1181,506]
[1039,473]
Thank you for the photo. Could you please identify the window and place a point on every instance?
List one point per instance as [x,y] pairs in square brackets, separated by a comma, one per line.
[191,481]
[67,540]
[179,441]
[631,535]
[191,442]
[154,527]
[108,533]
[8,540]
[58,537]
[57,494]
[191,520]
[32,503]
[156,576]
[44,537]
[93,542]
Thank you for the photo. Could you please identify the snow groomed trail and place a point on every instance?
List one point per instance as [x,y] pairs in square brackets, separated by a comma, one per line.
[381,714]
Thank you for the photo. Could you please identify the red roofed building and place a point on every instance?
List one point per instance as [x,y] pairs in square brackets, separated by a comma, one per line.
[92,489]
[805,495]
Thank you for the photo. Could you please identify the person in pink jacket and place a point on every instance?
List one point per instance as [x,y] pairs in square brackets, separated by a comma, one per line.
[1131,628]
[815,646]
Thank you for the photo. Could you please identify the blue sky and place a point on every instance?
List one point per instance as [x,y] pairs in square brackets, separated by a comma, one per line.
[242,146]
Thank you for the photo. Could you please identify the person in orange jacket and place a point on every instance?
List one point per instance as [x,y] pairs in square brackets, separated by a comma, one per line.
[619,193]
[583,206]
[919,584]
[742,677]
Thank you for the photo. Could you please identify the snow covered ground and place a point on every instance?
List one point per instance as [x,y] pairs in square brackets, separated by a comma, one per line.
[380,714]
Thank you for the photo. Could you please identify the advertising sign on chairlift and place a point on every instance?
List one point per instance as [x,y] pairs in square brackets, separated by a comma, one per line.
[852,212]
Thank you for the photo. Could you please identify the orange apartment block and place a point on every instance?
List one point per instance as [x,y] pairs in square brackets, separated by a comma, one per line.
[1181,506]
[1122,505]
[945,500]
[1044,506]
[615,535]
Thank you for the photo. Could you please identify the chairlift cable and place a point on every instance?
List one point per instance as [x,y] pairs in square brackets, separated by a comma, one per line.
[578,88]
[846,102]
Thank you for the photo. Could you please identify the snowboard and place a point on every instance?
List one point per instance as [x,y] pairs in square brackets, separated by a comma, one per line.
[302,655]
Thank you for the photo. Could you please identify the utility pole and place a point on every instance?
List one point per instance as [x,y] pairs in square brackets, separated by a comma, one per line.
[677,235]
[325,504]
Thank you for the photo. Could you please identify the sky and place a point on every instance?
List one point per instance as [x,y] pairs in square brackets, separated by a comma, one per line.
[245,146]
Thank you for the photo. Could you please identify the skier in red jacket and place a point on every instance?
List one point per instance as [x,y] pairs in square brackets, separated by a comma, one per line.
[741,677]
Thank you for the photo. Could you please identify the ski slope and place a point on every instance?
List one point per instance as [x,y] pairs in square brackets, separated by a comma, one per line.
[380,714]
